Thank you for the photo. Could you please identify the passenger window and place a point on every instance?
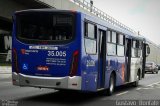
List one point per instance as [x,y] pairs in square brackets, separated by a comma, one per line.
[90,40]
[90,46]
[111,44]
[120,39]
[120,45]
[134,52]
[136,48]
[134,43]
[86,29]
[115,44]
[111,49]
[139,44]
[114,37]
[90,30]
[109,36]
[120,50]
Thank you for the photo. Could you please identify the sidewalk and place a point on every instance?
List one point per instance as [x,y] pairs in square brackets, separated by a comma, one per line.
[5,69]
[5,72]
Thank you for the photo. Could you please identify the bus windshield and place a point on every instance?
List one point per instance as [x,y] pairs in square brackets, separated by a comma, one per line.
[45,26]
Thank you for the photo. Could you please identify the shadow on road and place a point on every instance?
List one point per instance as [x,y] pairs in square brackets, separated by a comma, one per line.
[63,97]
[127,87]
[72,97]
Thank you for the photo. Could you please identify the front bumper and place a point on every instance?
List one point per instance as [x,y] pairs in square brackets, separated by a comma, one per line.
[148,70]
[47,82]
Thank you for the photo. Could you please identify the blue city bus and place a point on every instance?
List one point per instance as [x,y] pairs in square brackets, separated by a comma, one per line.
[69,50]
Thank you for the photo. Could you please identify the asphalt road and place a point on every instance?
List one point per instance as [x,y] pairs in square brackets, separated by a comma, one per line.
[148,89]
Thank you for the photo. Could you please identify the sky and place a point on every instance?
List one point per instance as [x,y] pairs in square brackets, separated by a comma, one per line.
[139,15]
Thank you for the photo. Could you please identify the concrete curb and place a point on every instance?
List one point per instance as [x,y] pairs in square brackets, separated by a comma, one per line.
[5,70]
[5,76]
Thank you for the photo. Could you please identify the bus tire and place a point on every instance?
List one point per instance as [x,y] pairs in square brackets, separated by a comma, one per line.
[136,83]
[110,90]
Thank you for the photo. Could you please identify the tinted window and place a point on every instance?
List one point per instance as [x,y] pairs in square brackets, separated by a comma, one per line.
[45,26]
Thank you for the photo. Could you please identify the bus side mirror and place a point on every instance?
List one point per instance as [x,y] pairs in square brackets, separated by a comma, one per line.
[147,50]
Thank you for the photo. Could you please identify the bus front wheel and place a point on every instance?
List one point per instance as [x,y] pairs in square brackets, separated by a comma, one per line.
[136,83]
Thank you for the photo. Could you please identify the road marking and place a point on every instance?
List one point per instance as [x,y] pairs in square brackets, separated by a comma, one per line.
[138,88]
[147,88]
[153,84]
[122,93]
[150,86]
[5,83]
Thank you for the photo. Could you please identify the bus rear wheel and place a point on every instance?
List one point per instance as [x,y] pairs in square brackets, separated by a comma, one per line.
[110,90]
[136,83]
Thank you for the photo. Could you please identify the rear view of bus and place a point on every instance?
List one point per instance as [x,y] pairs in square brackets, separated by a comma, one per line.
[46,49]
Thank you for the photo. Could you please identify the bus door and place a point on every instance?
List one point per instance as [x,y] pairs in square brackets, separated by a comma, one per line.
[128,59]
[146,52]
[102,59]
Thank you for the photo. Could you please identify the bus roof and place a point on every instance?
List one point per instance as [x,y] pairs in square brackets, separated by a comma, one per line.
[44,10]
[104,23]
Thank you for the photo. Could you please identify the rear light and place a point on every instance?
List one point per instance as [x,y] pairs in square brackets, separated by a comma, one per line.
[74,65]
[15,60]
[73,11]
[23,51]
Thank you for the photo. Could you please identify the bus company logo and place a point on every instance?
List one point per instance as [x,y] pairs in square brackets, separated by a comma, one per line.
[90,63]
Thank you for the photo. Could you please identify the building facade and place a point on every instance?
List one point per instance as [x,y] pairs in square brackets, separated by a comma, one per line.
[7,9]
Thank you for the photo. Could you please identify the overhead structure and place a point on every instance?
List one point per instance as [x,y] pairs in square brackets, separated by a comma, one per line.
[86,7]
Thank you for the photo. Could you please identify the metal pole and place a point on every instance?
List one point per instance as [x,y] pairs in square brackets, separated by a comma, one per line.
[91,5]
